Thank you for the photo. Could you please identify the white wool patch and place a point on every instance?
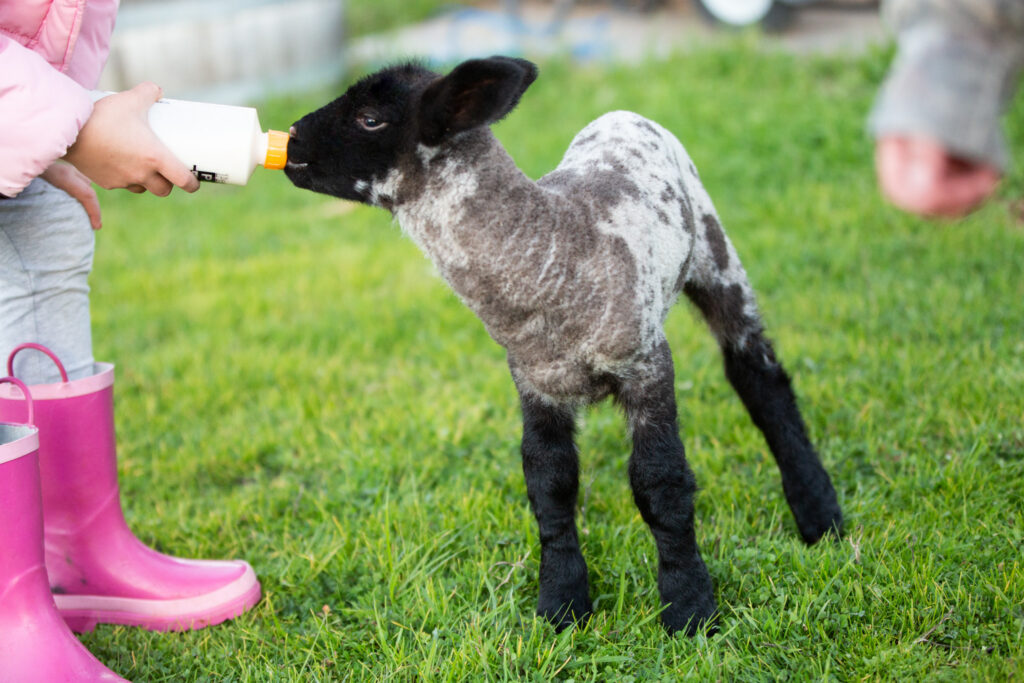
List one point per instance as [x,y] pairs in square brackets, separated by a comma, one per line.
[382,188]
[440,208]
[426,154]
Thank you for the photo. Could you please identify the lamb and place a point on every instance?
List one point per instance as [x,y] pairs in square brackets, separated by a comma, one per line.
[573,275]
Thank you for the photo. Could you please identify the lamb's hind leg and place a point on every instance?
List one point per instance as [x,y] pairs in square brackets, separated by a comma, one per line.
[719,288]
[551,467]
[663,488]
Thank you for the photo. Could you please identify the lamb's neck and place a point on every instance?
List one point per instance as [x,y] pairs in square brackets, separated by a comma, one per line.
[472,200]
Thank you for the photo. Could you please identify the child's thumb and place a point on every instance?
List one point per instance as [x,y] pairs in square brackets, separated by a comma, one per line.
[146,93]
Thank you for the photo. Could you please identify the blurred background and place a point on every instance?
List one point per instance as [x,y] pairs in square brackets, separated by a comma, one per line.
[244,50]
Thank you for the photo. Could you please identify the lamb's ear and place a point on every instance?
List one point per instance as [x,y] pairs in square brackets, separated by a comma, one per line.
[476,92]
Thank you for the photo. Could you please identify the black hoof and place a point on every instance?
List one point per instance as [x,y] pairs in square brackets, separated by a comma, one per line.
[690,619]
[829,522]
[567,614]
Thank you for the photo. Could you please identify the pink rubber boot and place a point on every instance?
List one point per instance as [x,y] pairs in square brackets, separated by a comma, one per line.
[35,643]
[99,571]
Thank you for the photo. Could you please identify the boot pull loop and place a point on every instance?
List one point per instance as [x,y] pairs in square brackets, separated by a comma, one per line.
[37,347]
[28,397]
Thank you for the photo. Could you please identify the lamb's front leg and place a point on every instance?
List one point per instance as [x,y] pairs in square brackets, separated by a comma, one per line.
[663,488]
[551,466]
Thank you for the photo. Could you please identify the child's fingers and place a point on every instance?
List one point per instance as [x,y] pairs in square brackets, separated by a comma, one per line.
[169,168]
[68,178]
[174,171]
[86,196]
[159,185]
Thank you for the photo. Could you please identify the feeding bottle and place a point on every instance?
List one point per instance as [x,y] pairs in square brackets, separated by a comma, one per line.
[219,143]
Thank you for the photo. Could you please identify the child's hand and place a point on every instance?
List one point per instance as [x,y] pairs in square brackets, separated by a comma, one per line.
[117,148]
[919,175]
[66,177]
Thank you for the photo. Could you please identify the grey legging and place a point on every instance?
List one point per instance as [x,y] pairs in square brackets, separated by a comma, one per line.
[46,250]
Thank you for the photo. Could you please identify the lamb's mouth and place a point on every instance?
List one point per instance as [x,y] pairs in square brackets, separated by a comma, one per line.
[298,173]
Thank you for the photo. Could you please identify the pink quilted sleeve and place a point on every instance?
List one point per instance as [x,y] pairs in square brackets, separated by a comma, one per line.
[41,112]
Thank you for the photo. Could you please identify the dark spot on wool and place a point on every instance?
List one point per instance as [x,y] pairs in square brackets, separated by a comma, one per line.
[412,180]
[682,279]
[599,190]
[615,162]
[669,194]
[432,230]
[723,307]
[561,178]
[611,187]
[643,124]
[686,211]
[716,240]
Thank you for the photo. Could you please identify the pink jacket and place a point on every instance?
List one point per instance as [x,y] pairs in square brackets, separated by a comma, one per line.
[51,55]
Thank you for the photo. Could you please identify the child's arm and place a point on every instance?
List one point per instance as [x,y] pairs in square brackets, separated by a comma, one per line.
[41,112]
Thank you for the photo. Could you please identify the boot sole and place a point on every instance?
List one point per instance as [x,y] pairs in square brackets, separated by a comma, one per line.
[83,612]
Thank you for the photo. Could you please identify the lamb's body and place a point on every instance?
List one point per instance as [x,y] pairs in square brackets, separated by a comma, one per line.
[574,275]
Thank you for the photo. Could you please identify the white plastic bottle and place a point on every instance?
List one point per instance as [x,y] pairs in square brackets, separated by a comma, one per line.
[219,143]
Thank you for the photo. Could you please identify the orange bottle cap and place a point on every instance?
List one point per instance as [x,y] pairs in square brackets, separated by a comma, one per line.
[277,150]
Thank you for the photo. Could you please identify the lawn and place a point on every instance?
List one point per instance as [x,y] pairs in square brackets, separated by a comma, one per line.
[297,387]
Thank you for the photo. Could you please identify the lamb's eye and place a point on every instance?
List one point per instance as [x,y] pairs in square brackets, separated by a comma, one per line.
[370,123]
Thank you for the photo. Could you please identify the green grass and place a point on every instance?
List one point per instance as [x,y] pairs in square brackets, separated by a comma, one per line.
[296,386]
[370,16]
